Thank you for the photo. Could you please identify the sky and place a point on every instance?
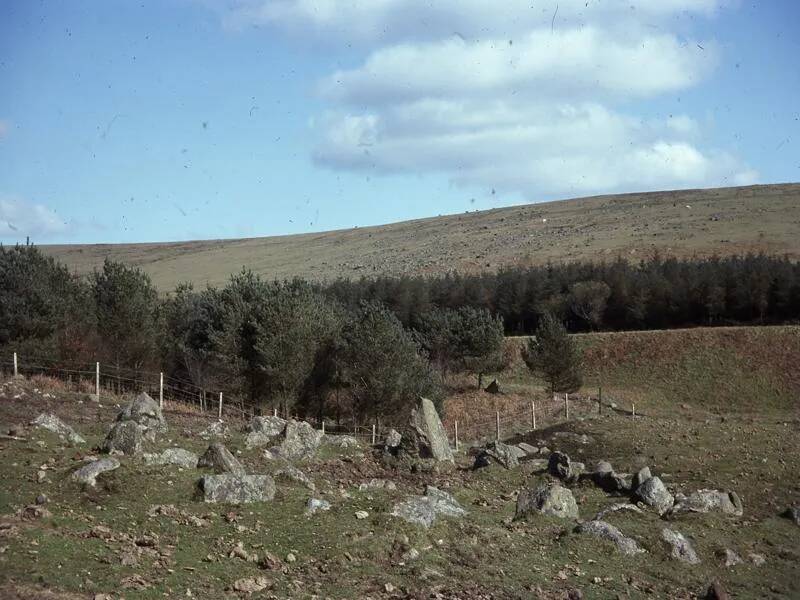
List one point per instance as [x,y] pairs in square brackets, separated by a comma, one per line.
[160,120]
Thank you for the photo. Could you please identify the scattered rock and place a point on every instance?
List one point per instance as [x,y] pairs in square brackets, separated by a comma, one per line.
[549,499]
[640,477]
[704,501]
[607,531]
[361,514]
[682,548]
[34,512]
[499,453]
[731,558]
[344,442]
[315,504]
[654,493]
[527,448]
[216,430]
[263,430]
[423,510]
[295,474]
[392,439]
[300,440]
[717,592]
[559,465]
[425,436]
[219,458]
[377,484]
[173,456]
[52,423]
[251,585]
[146,412]
[757,559]
[88,473]
[615,508]
[235,488]
[125,437]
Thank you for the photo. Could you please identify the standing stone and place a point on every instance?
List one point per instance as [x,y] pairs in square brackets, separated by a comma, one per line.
[559,465]
[704,501]
[607,531]
[640,477]
[261,431]
[52,423]
[234,488]
[219,458]
[146,412]
[682,548]
[300,440]
[125,437]
[549,499]
[425,436]
[497,452]
[654,493]
[88,473]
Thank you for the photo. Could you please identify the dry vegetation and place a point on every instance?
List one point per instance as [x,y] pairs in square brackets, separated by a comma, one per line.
[683,223]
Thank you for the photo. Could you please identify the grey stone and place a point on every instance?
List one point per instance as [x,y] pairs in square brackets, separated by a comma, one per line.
[704,501]
[654,493]
[499,453]
[425,436]
[316,504]
[299,441]
[616,508]
[219,458]
[216,430]
[550,499]
[126,437]
[603,466]
[527,448]
[146,412]
[89,472]
[377,484]
[232,488]
[606,531]
[640,477]
[423,510]
[538,464]
[173,456]
[52,423]
[343,442]
[612,482]
[295,474]
[731,558]
[681,547]
[559,465]
[392,439]
[261,431]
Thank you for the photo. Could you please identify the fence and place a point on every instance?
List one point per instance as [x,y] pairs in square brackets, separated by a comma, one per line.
[110,381]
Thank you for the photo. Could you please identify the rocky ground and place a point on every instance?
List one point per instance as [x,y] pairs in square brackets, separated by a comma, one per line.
[575,514]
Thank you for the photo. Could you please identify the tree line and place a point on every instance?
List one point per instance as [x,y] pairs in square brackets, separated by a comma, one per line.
[658,293]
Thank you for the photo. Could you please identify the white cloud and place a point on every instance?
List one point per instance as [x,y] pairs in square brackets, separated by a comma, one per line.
[20,218]
[525,97]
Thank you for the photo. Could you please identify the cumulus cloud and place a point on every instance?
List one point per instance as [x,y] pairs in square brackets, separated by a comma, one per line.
[527,98]
[20,218]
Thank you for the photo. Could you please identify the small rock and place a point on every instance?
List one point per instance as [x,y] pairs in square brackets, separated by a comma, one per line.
[290,558]
[682,548]
[361,514]
[654,493]
[251,585]
[52,423]
[757,559]
[219,458]
[232,488]
[731,558]
[704,501]
[607,531]
[549,499]
[316,504]
[793,513]
[88,473]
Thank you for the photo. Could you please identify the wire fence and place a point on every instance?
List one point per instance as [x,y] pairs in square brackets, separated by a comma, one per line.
[175,394]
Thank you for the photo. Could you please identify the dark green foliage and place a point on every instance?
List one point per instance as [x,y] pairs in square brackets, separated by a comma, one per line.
[619,295]
[464,339]
[128,315]
[43,309]
[380,365]
[552,355]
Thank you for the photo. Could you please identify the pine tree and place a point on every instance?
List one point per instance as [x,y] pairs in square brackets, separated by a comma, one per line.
[553,355]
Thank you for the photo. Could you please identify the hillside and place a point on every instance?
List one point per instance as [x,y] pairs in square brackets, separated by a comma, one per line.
[684,223]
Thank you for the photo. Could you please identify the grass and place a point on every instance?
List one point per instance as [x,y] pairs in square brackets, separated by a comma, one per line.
[746,442]
[686,223]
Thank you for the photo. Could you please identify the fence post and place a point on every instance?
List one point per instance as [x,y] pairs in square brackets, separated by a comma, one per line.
[97,382]
[497,422]
[633,410]
[456,428]
[220,406]
[275,412]
[161,391]
[16,373]
[533,415]
[566,406]
[323,426]
[600,400]
[373,434]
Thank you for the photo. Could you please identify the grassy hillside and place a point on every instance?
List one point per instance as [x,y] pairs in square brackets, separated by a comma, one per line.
[681,223]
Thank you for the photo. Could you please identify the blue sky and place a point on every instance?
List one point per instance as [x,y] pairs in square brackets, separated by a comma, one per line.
[184,119]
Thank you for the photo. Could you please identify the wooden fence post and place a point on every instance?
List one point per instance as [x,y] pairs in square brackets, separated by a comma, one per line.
[16,372]
[97,382]
[219,416]
[275,412]
[161,390]
[323,426]
[373,434]
[600,400]
[497,422]
[633,410]
[533,415]
[456,428]
[566,406]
